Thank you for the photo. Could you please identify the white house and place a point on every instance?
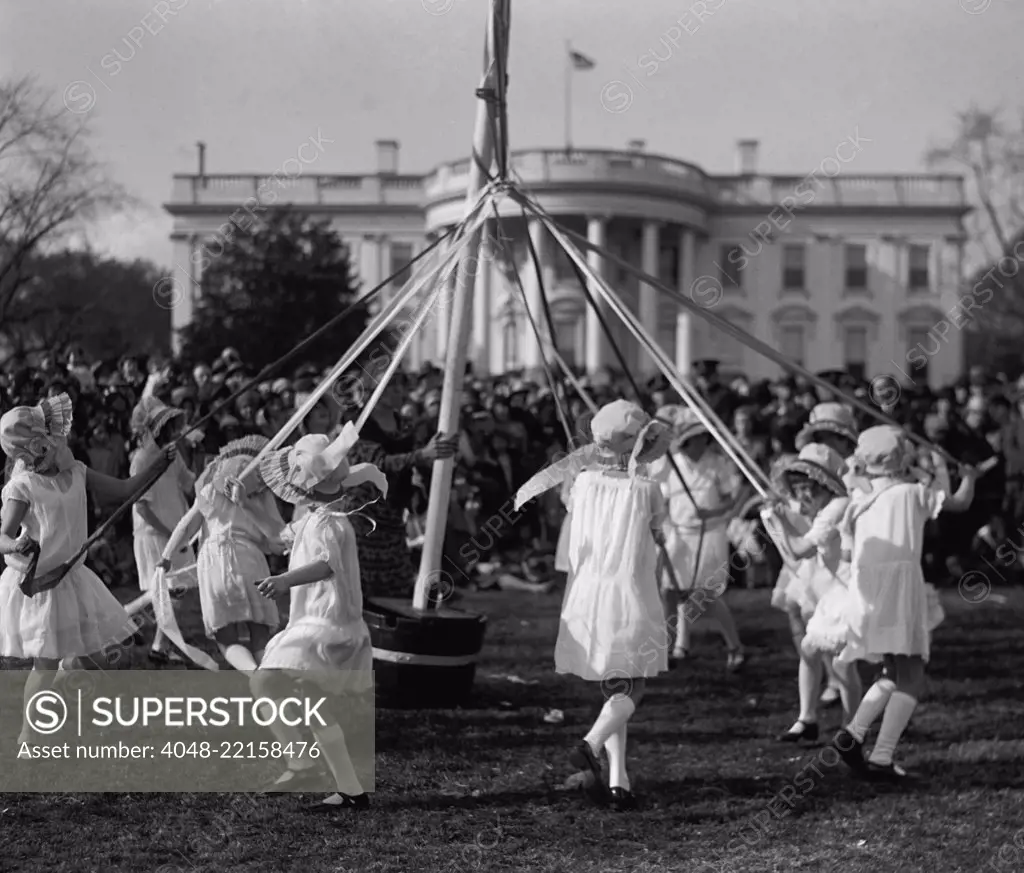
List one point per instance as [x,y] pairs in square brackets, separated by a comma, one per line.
[833,269]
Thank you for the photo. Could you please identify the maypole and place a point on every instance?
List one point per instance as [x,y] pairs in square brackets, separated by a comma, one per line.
[487,121]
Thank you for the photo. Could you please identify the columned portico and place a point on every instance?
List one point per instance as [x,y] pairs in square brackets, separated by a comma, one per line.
[649,295]
[687,276]
[597,342]
[483,310]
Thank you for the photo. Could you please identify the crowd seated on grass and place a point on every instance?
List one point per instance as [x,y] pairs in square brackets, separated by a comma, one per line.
[511,427]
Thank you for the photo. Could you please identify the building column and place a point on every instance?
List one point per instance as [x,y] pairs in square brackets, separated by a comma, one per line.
[597,343]
[384,267]
[532,351]
[483,309]
[687,276]
[649,296]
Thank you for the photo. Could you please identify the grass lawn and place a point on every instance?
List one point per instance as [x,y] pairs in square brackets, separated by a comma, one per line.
[481,788]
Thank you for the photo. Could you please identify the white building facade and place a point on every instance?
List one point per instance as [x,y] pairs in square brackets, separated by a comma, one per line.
[834,270]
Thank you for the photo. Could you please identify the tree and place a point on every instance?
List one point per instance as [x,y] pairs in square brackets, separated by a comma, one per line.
[271,288]
[79,298]
[990,153]
[50,189]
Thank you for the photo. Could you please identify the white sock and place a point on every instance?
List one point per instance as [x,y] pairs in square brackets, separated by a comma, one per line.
[870,708]
[898,711]
[682,645]
[287,734]
[332,744]
[239,657]
[614,714]
[615,746]
[808,680]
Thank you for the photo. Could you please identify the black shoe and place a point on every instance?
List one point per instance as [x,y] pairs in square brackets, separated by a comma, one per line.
[890,772]
[807,731]
[343,803]
[582,757]
[851,751]
[622,800]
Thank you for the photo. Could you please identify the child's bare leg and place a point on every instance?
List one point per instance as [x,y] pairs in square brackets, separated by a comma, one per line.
[259,636]
[40,678]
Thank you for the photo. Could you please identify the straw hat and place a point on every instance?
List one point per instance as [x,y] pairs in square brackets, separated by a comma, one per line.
[297,474]
[881,451]
[828,418]
[818,463]
[151,415]
[623,428]
[28,433]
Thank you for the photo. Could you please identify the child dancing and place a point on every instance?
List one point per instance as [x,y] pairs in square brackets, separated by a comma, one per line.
[240,523]
[159,510]
[326,641]
[612,628]
[814,479]
[42,616]
[889,619]
[696,534]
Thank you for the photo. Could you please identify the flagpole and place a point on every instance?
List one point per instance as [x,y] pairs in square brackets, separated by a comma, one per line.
[568,97]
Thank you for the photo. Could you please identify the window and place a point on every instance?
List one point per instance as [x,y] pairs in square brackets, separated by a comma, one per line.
[565,337]
[855,351]
[793,278]
[730,266]
[920,338]
[857,267]
[401,254]
[793,342]
[918,280]
[510,341]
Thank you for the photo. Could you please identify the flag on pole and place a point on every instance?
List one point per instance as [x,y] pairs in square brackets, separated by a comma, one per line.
[580,61]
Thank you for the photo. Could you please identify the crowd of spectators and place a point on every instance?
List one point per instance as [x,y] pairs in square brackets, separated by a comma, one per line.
[510,428]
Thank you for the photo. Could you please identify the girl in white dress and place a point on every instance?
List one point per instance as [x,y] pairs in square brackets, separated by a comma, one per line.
[699,515]
[889,620]
[158,511]
[42,616]
[241,524]
[326,641]
[833,425]
[814,479]
[612,627]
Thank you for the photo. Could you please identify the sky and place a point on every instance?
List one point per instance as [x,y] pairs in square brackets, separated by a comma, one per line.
[254,79]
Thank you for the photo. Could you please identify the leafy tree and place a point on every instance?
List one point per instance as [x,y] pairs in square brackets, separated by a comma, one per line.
[269,289]
[50,189]
[103,305]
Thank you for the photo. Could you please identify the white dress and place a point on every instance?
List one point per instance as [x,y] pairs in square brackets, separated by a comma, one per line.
[711,481]
[166,498]
[613,623]
[788,575]
[891,611]
[232,560]
[79,616]
[326,640]
[562,548]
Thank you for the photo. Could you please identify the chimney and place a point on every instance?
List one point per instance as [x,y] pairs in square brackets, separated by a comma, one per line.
[387,157]
[201,146]
[637,145]
[746,157]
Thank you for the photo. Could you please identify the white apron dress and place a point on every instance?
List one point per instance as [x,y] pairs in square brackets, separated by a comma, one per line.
[562,548]
[232,560]
[892,611]
[166,498]
[326,640]
[613,622]
[712,481]
[791,575]
[79,616]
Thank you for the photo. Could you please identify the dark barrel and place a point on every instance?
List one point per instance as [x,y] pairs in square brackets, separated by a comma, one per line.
[423,660]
